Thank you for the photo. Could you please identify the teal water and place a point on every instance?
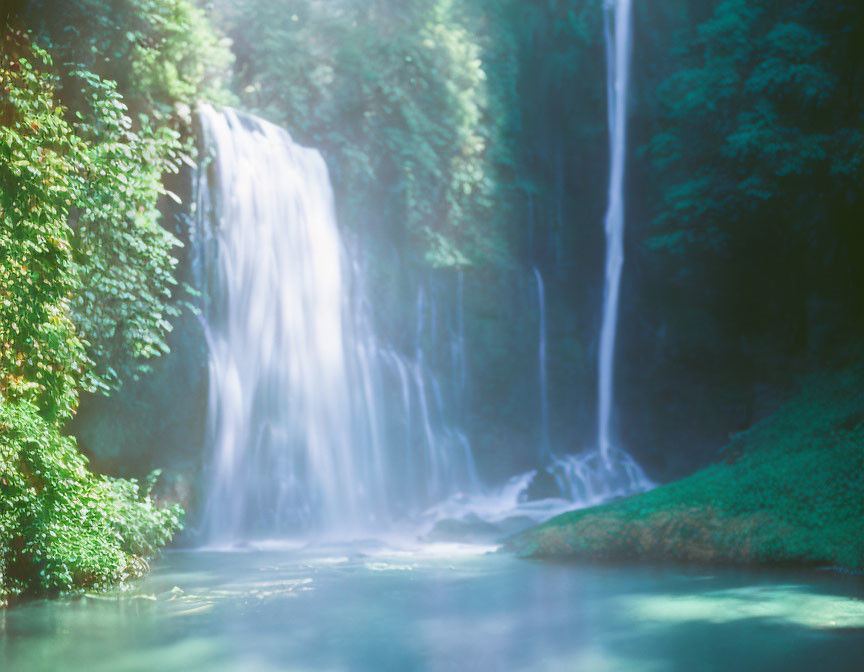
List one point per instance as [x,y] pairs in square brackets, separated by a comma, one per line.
[370,607]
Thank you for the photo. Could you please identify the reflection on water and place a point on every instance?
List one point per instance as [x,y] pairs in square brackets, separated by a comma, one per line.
[374,607]
[795,605]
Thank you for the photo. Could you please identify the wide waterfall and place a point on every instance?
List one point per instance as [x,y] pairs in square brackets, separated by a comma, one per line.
[315,423]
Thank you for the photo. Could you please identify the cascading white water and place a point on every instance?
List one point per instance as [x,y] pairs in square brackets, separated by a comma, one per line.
[618,32]
[315,424]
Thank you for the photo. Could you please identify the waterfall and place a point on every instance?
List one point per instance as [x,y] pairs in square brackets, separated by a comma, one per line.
[607,472]
[315,423]
[545,447]
[618,51]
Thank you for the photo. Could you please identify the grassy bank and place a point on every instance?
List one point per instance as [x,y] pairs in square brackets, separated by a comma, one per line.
[788,491]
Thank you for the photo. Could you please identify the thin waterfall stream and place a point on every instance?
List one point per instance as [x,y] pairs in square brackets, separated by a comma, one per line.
[605,471]
[619,47]
[543,374]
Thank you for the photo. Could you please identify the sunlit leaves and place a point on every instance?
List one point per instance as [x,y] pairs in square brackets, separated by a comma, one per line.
[124,255]
[62,528]
[78,222]
[41,357]
[160,52]
[399,94]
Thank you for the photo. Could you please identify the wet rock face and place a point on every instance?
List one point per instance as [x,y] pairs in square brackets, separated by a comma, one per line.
[473,530]
[516,524]
[469,529]
[542,486]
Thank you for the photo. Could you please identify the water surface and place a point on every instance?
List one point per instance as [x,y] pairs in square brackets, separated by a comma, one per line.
[374,607]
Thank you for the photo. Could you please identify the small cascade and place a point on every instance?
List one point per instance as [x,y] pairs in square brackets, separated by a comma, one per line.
[315,423]
[591,479]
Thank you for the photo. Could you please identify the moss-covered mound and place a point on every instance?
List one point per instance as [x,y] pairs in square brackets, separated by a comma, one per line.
[788,491]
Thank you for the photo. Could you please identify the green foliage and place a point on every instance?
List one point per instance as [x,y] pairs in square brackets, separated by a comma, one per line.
[61,527]
[161,53]
[399,95]
[162,56]
[86,194]
[750,121]
[760,110]
[124,259]
[41,356]
[86,271]
[791,490]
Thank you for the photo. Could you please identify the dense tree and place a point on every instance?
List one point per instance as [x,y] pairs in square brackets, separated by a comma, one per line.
[399,97]
[756,185]
[161,53]
[42,359]
[60,526]
[86,270]
[134,71]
